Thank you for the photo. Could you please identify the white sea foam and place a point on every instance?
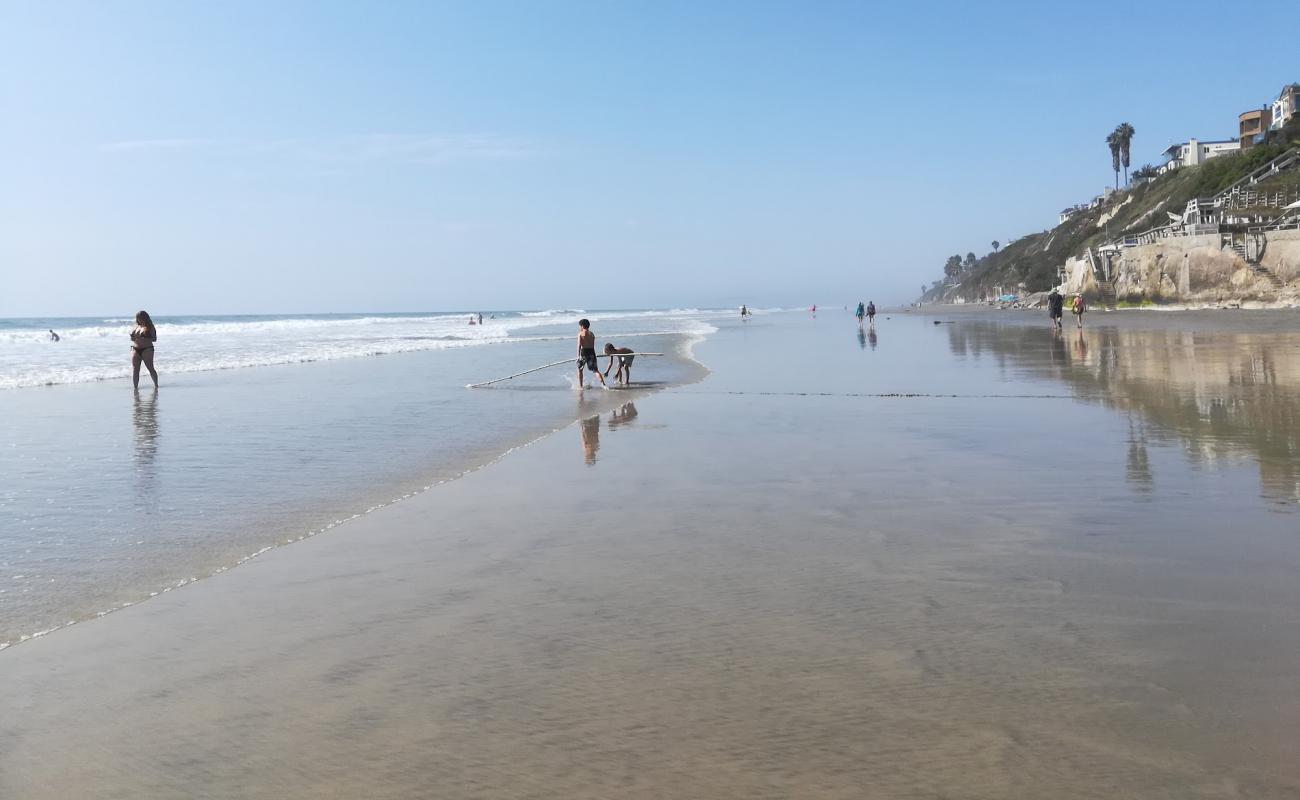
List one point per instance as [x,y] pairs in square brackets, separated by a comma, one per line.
[97,350]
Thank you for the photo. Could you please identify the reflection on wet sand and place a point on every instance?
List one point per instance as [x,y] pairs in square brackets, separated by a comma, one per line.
[589,430]
[144,418]
[622,415]
[1221,395]
[1139,460]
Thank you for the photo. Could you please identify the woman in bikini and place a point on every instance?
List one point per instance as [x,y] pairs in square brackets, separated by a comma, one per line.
[143,335]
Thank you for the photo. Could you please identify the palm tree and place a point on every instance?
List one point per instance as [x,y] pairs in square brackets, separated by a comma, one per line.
[996,245]
[1125,133]
[1112,140]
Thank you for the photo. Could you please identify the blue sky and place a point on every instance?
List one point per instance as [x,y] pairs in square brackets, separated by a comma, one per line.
[263,157]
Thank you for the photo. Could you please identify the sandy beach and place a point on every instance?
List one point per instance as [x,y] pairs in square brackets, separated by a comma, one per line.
[968,560]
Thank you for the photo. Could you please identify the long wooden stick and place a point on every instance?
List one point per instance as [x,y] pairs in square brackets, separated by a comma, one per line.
[572,360]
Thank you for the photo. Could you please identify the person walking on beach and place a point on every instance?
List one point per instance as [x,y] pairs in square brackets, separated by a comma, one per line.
[1077,308]
[1055,308]
[587,352]
[744,312]
[861,310]
[624,354]
[143,335]
[871,312]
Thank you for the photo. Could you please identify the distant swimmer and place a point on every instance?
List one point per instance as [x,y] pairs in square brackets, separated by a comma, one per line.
[471,320]
[1055,308]
[480,319]
[587,351]
[871,312]
[624,354]
[54,337]
[143,335]
[1077,308]
[861,310]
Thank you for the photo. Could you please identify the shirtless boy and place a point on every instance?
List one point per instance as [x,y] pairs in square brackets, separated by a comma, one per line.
[587,351]
[624,355]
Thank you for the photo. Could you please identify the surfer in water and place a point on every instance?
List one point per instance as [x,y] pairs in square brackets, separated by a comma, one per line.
[624,355]
[587,352]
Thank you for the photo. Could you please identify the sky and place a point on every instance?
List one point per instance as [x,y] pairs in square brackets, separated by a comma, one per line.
[293,157]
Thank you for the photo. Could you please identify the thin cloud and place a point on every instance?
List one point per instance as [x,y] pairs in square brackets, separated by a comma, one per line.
[155,144]
[374,148]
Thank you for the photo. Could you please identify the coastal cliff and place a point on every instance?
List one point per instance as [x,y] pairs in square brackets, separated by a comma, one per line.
[1196,270]
[1220,233]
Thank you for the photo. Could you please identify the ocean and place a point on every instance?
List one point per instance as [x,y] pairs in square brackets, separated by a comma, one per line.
[267,429]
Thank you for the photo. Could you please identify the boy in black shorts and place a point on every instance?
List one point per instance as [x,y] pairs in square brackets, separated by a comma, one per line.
[587,352]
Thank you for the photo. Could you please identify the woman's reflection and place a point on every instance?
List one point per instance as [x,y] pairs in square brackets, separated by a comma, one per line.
[144,417]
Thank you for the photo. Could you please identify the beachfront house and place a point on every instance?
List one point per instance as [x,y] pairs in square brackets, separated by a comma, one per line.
[1193,152]
[1286,105]
[1252,126]
[1066,213]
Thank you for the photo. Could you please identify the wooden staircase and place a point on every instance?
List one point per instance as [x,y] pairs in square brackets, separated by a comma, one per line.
[1267,274]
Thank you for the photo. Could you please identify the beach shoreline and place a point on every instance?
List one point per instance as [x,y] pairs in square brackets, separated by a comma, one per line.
[734,588]
[415,397]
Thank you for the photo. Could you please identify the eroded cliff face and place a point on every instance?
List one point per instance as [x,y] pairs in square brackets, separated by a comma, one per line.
[1198,270]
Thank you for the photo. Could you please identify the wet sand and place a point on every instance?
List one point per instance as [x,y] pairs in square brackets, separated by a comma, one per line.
[741,589]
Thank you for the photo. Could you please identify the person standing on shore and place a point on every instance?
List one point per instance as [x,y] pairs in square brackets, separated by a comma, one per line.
[871,313]
[1055,308]
[587,351]
[861,310]
[143,335]
[1077,308]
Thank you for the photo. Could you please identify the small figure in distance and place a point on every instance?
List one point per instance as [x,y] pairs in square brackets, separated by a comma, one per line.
[624,354]
[744,312]
[861,310]
[871,312]
[1077,308]
[143,335]
[480,318]
[1055,308]
[54,337]
[587,351]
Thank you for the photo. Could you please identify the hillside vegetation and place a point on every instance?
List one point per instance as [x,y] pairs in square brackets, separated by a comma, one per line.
[1031,263]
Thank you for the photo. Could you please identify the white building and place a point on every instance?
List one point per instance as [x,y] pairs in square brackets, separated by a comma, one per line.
[1285,106]
[1193,152]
